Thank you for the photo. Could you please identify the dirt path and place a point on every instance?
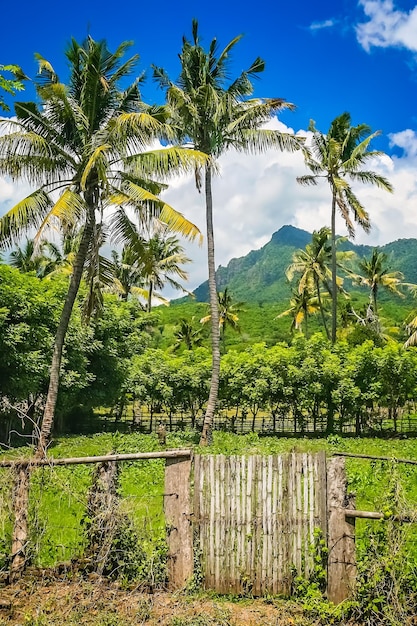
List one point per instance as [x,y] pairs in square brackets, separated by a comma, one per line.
[96,603]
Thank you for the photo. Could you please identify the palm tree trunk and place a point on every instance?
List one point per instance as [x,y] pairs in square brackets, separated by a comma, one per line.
[51,399]
[323,317]
[149,306]
[334,284]
[214,310]
[374,296]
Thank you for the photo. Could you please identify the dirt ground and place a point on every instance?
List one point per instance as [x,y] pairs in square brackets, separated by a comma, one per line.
[95,602]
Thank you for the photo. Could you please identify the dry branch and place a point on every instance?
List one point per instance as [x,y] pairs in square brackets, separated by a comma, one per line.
[166,454]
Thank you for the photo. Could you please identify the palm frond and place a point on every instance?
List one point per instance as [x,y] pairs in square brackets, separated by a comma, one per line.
[24,215]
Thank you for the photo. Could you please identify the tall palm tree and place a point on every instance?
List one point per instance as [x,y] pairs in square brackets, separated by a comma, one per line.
[86,147]
[338,157]
[314,266]
[215,114]
[376,274]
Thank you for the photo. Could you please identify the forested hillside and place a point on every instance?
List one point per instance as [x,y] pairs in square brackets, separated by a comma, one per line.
[260,275]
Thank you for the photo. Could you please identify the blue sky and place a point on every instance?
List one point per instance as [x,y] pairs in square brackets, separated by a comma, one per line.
[325,57]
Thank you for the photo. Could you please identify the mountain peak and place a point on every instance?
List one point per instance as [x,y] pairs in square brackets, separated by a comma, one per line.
[291,236]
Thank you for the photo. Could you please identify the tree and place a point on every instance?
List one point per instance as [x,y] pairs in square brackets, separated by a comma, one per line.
[154,257]
[187,335]
[215,114]
[302,305]
[25,260]
[228,313]
[313,263]
[162,260]
[84,146]
[126,276]
[10,85]
[336,157]
[376,274]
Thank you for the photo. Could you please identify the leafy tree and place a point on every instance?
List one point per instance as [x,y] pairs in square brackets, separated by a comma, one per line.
[10,85]
[28,321]
[215,114]
[338,157]
[86,141]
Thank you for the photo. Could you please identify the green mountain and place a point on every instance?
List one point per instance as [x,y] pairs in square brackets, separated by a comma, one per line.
[260,275]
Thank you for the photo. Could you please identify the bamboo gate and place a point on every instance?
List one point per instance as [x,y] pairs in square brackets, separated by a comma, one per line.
[248,524]
[255,520]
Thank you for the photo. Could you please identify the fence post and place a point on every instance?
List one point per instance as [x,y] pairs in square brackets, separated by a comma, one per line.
[341,566]
[177,508]
[20,525]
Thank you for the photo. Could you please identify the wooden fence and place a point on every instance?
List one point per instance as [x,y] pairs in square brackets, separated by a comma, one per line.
[249,522]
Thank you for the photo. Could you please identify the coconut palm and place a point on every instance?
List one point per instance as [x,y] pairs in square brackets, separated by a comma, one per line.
[338,157]
[86,148]
[302,305]
[161,265]
[126,275]
[228,313]
[187,335]
[25,259]
[155,258]
[314,266]
[215,114]
[376,274]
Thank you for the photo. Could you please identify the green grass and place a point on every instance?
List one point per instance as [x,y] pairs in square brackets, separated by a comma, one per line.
[59,495]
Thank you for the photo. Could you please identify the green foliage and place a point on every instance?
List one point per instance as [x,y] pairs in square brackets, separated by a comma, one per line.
[10,85]
[386,592]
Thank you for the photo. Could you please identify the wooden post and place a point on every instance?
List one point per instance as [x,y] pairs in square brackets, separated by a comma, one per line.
[341,568]
[20,527]
[177,508]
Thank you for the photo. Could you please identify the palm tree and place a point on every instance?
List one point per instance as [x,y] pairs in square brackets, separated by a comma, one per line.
[376,274]
[303,304]
[228,313]
[154,256]
[215,114]
[336,157]
[161,262]
[314,263]
[26,260]
[126,275]
[186,334]
[85,145]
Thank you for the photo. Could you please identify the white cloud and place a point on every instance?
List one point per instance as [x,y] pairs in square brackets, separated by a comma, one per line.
[255,195]
[407,140]
[387,26]
[324,24]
